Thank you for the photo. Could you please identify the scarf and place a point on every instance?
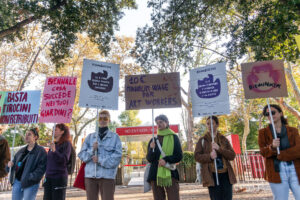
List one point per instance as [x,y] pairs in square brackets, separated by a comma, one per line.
[284,144]
[164,178]
[102,132]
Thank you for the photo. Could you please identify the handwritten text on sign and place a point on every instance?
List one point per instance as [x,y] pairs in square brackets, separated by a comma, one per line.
[152,91]
[264,79]
[20,107]
[58,99]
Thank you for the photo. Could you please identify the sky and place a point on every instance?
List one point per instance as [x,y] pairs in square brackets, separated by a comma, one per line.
[131,21]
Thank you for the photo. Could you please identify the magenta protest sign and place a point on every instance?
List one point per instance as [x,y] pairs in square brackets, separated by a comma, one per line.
[58,100]
[20,107]
[264,79]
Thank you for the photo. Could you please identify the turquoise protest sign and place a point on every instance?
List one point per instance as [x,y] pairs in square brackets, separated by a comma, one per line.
[20,107]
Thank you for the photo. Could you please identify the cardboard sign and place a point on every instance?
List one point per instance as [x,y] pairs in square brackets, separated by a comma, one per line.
[152,91]
[264,79]
[2,98]
[141,130]
[21,107]
[209,90]
[58,100]
[99,85]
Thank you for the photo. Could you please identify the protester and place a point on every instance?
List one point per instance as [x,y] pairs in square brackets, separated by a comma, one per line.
[163,180]
[4,155]
[221,150]
[102,154]
[28,168]
[282,170]
[56,173]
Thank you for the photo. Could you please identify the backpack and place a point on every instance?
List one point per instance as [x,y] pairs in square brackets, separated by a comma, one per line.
[71,161]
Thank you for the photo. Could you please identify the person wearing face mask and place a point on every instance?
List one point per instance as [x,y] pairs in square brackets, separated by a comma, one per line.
[221,150]
[56,173]
[164,181]
[102,152]
[282,170]
[28,168]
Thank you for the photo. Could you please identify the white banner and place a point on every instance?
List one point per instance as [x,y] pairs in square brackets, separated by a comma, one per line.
[209,90]
[99,85]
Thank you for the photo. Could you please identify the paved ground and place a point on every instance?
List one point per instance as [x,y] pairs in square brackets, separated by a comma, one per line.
[187,192]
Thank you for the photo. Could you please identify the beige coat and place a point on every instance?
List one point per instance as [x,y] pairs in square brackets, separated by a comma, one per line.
[202,155]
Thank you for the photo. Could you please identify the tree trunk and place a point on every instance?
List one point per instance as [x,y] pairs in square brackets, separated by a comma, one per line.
[246,118]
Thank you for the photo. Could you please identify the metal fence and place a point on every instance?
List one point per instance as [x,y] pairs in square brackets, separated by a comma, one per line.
[249,170]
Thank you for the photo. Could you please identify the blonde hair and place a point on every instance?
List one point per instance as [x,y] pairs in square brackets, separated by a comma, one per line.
[105,112]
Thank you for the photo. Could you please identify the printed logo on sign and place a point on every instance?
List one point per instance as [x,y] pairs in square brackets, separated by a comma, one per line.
[207,88]
[263,78]
[99,82]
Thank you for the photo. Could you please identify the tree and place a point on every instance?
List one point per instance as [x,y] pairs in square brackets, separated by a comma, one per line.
[129,118]
[84,48]
[63,20]
[180,29]
[45,134]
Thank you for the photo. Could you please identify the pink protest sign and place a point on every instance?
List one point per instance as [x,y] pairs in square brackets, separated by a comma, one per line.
[58,100]
[264,79]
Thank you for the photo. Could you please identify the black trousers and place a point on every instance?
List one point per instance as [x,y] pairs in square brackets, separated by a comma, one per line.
[223,191]
[55,188]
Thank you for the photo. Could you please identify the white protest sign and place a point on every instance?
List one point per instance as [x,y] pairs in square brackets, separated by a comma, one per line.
[99,85]
[209,90]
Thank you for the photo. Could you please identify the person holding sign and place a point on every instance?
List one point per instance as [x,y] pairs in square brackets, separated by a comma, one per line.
[283,169]
[4,155]
[163,174]
[28,168]
[102,152]
[206,152]
[56,173]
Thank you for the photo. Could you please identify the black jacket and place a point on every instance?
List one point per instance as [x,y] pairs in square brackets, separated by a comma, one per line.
[35,166]
[153,158]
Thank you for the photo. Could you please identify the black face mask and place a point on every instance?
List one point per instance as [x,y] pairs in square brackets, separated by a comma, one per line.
[102,132]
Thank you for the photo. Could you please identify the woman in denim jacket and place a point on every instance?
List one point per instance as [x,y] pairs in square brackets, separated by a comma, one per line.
[102,152]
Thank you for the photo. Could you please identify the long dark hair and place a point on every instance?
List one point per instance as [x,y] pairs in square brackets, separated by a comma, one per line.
[278,108]
[215,118]
[66,136]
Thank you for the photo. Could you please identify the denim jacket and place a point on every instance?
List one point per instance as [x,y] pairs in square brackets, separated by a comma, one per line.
[109,155]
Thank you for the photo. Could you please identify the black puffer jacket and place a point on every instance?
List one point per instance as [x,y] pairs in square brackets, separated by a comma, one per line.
[153,158]
[35,166]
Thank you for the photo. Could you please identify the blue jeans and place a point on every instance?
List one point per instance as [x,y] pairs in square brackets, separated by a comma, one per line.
[289,180]
[29,193]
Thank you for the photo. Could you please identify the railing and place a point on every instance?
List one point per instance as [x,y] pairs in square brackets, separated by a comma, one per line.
[249,170]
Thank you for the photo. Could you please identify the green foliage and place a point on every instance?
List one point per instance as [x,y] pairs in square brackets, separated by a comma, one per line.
[188,159]
[129,118]
[45,134]
[113,125]
[264,27]
[64,19]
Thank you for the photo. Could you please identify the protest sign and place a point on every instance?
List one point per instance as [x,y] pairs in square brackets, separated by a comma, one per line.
[99,85]
[58,100]
[21,107]
[2,98]
[209,90]
[152,91]
[264,79]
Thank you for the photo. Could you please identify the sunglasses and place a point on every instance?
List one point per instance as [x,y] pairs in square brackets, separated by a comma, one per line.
[268,114]
[103,119]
